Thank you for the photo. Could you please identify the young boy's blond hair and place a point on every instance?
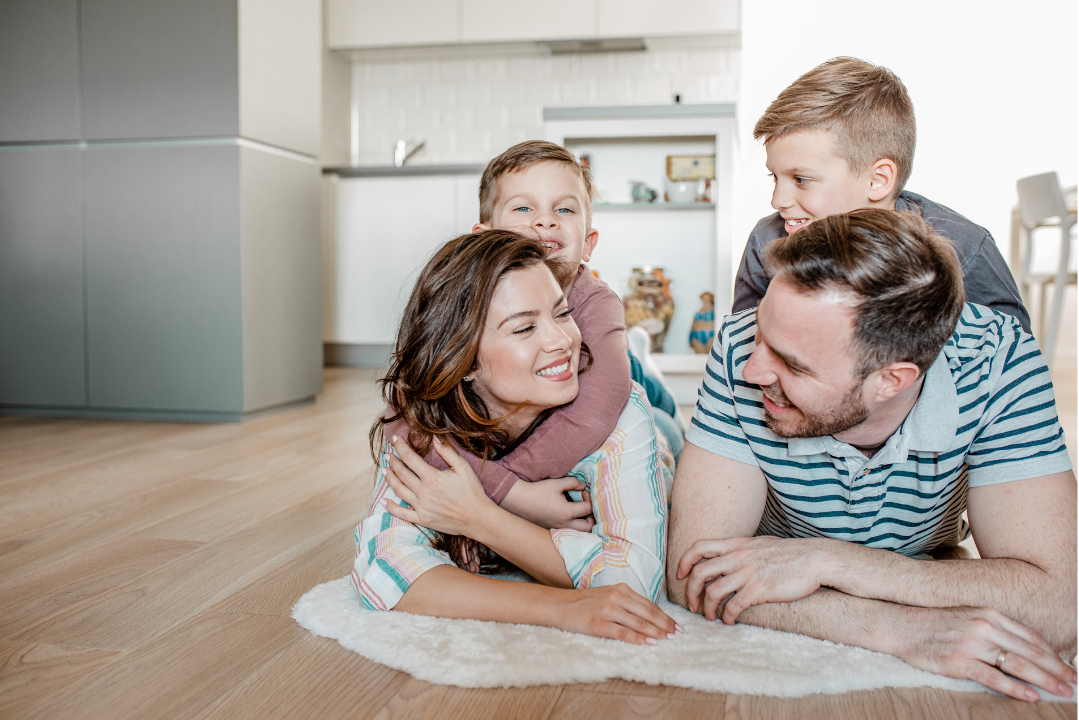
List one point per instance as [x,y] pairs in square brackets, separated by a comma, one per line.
[520,157]
[865,107]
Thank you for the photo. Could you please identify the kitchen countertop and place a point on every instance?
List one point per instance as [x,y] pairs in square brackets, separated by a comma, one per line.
[366,171]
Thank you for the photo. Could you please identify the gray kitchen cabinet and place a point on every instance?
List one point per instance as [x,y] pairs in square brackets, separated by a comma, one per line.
[281,279]
[159,212]
[159,69]
[42,340]
[163,278]
[39,70]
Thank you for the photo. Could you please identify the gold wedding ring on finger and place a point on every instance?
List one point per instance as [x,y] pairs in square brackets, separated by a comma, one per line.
[1000,658]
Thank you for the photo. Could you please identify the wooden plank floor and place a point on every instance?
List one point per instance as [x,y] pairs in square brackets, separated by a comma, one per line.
[147,570]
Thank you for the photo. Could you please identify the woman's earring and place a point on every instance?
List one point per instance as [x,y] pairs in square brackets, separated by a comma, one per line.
[466,378]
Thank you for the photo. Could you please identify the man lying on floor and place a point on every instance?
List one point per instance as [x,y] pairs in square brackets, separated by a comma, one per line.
[842,429]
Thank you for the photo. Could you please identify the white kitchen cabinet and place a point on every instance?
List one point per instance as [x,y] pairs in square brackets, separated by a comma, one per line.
[354,24]
[508,20]
[386,229]
[649,18]
[371,23]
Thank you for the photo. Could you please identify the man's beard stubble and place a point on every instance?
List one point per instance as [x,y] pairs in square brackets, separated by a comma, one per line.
[851,411]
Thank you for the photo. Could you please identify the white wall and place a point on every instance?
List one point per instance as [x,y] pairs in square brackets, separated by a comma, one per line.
[994,90]
[470,104]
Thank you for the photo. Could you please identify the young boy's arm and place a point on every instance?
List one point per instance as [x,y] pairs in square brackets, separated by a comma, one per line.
[752,280]
[496,479]
[576,430]
[988,281]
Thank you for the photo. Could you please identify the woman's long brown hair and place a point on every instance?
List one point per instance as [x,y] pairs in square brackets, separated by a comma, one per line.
[437,346]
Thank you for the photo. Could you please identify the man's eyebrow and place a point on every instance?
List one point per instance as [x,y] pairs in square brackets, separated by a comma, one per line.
[523,313]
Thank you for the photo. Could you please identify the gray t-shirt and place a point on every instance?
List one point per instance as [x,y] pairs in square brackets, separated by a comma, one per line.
[986,277]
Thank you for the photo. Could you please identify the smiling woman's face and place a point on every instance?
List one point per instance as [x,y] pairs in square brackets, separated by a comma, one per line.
[529,350]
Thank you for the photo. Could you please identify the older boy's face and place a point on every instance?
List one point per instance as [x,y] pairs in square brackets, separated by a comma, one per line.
[547,201]
[811,182]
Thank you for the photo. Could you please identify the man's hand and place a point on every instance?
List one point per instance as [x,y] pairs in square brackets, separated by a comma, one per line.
[966,642]
[750,571]
[543,503]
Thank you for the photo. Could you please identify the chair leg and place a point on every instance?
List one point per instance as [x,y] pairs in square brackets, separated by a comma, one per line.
[1058,294]
[1026,255]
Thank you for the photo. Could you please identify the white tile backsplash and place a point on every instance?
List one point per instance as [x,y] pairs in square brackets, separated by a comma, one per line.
[472,108]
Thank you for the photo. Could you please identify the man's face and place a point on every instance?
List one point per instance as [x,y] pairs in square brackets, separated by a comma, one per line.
[803,363]
[812,182]
[547,201]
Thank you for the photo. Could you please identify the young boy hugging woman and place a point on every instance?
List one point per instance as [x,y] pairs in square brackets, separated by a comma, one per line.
[539,190]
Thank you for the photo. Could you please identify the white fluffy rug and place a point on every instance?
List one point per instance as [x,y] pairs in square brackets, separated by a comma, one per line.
[710,656]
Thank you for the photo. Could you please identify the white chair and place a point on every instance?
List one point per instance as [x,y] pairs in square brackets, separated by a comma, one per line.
[1041,204]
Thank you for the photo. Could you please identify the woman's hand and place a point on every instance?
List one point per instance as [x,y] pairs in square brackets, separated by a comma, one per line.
[616,612]
[448,501]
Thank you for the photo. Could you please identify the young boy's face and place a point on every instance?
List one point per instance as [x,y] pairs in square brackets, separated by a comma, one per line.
[812,182]
[546,201]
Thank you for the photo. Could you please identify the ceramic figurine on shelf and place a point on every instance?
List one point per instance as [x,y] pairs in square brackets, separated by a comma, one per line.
[649,303]
[703,329]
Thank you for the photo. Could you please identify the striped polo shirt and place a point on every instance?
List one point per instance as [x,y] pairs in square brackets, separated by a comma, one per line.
[986,415]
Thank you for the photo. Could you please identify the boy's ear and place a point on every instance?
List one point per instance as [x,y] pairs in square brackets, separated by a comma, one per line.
[882,176]
[590,241]
[480,227]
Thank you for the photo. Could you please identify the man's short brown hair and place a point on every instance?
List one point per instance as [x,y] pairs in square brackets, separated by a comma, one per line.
[525,155]
[864,106]
[905,279]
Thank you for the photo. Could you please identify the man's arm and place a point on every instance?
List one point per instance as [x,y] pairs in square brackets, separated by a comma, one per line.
[715,497]
[1026,534]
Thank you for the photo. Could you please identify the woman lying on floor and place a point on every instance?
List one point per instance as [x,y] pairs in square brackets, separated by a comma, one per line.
[486,350]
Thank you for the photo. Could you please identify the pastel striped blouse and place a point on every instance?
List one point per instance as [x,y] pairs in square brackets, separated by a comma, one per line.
[986,415]
[628,477]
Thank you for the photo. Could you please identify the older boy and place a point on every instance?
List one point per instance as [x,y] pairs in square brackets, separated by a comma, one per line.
[538,189]
[842,137]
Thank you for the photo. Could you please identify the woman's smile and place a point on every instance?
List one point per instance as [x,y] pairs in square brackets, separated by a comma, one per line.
[558,371]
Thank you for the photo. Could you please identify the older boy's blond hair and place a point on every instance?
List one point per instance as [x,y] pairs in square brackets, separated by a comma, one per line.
[864,106]
[520,157]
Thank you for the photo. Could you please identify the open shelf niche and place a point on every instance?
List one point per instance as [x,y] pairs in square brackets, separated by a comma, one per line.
[691,241]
